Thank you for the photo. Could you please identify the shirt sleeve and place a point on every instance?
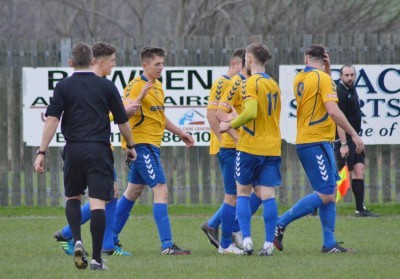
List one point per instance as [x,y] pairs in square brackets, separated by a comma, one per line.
[328,89]
[57,104]
[116,106]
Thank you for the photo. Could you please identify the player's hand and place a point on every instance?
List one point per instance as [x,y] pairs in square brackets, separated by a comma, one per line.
[145,90]
[187,139]
[234,113]
[327,60]
[130,156]
[131,107]
[39,163]
[227,117]
[358,142]
[224,126]
[344,151]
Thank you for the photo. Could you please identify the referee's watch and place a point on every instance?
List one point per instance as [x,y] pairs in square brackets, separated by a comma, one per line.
[130,146]
[343,144]
[39,152]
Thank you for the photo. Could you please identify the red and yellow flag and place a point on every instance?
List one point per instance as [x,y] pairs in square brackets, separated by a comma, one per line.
[343,184]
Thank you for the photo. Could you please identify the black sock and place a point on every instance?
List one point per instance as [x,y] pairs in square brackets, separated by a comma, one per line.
[97,228]
[74,216]
[357,185]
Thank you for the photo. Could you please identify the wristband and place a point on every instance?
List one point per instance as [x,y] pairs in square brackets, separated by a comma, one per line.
[39,152]
[343,144]
[130,146]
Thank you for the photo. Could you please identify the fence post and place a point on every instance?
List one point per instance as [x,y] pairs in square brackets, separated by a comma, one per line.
[3,139]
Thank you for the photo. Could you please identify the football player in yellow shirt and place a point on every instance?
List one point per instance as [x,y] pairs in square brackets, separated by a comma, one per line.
[317,116]
[148,125]
[258,156]
[220,85]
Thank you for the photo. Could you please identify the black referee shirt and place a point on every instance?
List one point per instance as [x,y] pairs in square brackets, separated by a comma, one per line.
[84,101]
[350,105]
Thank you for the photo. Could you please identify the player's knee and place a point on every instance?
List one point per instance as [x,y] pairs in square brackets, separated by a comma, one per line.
[230,199]
[160,192]
[133,192]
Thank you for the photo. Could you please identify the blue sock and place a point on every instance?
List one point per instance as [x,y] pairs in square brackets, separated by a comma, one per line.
[303,207]
[270,215]
[255,203]
[228,220]
[124,207]
[215,220]
[243,213]
[160,213]
[85,209]
[327,215]
[108,242]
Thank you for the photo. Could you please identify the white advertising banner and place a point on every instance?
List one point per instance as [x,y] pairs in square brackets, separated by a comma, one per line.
[378,88]
[186,97]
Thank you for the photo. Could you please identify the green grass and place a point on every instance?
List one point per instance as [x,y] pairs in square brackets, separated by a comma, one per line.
[29,251]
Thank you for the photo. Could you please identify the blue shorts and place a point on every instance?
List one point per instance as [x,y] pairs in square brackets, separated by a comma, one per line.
[226,158]
[147,169]
[257,170]
[318,160]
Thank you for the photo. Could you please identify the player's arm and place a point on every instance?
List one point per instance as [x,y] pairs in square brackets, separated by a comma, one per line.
[214,123]
[222,114]
[327,63]
[340,119]
[50,128]
[132,105]
[249,113]
[125,129]
[344,148]
[185,137]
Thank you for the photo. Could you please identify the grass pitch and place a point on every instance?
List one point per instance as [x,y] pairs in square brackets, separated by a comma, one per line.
[29,251]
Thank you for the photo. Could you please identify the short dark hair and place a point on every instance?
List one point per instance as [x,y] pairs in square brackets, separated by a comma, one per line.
[81,55]
[260,52]
[347,66]
[244,58]
[239,52]
[315,51]
[151,52]
[101,49]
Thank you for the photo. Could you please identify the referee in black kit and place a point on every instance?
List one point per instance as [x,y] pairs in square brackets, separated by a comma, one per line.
[344,145]
[84,101]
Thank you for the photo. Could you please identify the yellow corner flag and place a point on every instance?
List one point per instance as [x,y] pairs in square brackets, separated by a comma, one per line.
[343,184]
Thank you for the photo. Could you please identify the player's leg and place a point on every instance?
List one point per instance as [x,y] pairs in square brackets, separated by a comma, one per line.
[210,227]
[132,192]
[245,170]
[268,178]
[75,157]
[315,164]
[125,205]
[100,181]
[237,236]
[326,191]
[109,247]
[228,214]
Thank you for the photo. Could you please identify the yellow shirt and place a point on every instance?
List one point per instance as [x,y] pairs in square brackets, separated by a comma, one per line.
[217,88]
[262,136]
[232,96]
[312,88]
[148,122]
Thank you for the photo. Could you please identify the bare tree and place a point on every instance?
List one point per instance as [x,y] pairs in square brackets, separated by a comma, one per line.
[149,18]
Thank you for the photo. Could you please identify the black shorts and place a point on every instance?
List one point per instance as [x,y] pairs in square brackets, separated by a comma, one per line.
[352,159]
[88,165]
